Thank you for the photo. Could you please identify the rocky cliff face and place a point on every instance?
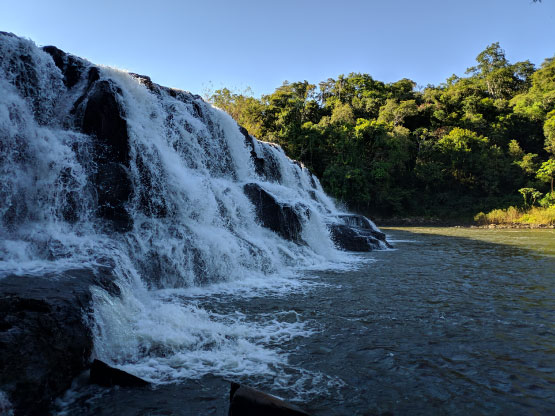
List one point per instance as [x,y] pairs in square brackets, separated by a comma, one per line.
[148,187]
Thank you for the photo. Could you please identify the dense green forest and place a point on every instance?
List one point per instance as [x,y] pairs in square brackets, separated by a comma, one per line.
[474,143]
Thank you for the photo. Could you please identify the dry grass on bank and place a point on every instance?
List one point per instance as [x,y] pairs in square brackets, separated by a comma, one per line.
[512,215]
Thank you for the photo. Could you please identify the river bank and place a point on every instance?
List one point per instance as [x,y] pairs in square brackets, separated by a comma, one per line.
[459,223]
[516,225]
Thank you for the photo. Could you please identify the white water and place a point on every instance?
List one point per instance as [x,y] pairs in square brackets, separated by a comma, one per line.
[208,241]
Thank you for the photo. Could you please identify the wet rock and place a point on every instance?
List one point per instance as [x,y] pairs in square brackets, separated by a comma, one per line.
[258,161]
[360,222]
[72,67]
[150,192]
[146,81]
[265,164]
[114,190]
[356,233]
[278,217]
[103,118]
[45,339]
[347,238]
[104,375]
[246,401]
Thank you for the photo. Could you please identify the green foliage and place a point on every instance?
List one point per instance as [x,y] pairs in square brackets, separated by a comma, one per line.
[530,195]
[527,163]
[547,201]
[247,111]
[549,131]
[546,172]
[466,145]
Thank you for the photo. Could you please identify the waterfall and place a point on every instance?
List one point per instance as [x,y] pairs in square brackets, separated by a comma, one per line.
[102,169]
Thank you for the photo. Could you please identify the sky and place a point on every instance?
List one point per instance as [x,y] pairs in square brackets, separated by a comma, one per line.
[203,45]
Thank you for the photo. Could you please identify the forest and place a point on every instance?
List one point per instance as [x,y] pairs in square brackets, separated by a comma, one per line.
[478,142]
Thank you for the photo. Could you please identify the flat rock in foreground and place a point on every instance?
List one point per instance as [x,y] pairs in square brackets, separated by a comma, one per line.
[45,339]
[104,375]
[246,401]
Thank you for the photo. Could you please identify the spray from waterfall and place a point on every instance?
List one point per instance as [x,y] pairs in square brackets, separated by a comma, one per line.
[165,211]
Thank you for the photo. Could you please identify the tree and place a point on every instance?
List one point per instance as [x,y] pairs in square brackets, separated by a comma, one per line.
[549,132]
[386,148]
[531,193]
[538,103]
[547,172]
[500,77]
[244,109]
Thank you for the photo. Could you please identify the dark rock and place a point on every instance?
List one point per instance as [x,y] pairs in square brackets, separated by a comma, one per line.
[72,68]
[272,169]
[362,223]
[356,233]
[347,238]
[208,395]
[258,161]
[313,180]
[104,375]
[114,189]
[45,339]
[151,200]
[198,110]
[146,81]
[278,217]
[104,119]
[93,75]
[265,164]
[246,401]
[10,34]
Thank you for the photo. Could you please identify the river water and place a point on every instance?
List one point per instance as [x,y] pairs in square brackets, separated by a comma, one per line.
[451,321]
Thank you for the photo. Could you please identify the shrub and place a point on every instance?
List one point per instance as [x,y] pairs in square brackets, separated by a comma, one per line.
[547,201]
[512,215]
[481,218]
[502,216]
[539,216]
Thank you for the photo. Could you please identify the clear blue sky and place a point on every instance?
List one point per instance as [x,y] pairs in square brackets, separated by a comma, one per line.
[197,44]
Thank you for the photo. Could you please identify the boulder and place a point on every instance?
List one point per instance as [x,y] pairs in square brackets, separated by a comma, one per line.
[246,401]
[347,238]
[45,339]
[278,217]
[356,233]
[362,223]
[104,375]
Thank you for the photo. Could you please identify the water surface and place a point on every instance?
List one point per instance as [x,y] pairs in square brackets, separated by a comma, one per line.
[452,321]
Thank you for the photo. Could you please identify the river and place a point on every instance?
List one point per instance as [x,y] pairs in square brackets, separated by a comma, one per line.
[451,321]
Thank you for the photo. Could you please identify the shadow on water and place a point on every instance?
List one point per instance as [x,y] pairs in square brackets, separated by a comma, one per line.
[442,324]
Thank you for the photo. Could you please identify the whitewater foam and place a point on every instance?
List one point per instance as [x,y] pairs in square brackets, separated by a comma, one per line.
[193,233]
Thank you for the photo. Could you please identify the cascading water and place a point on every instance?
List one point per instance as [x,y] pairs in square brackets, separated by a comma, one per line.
[167,211]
